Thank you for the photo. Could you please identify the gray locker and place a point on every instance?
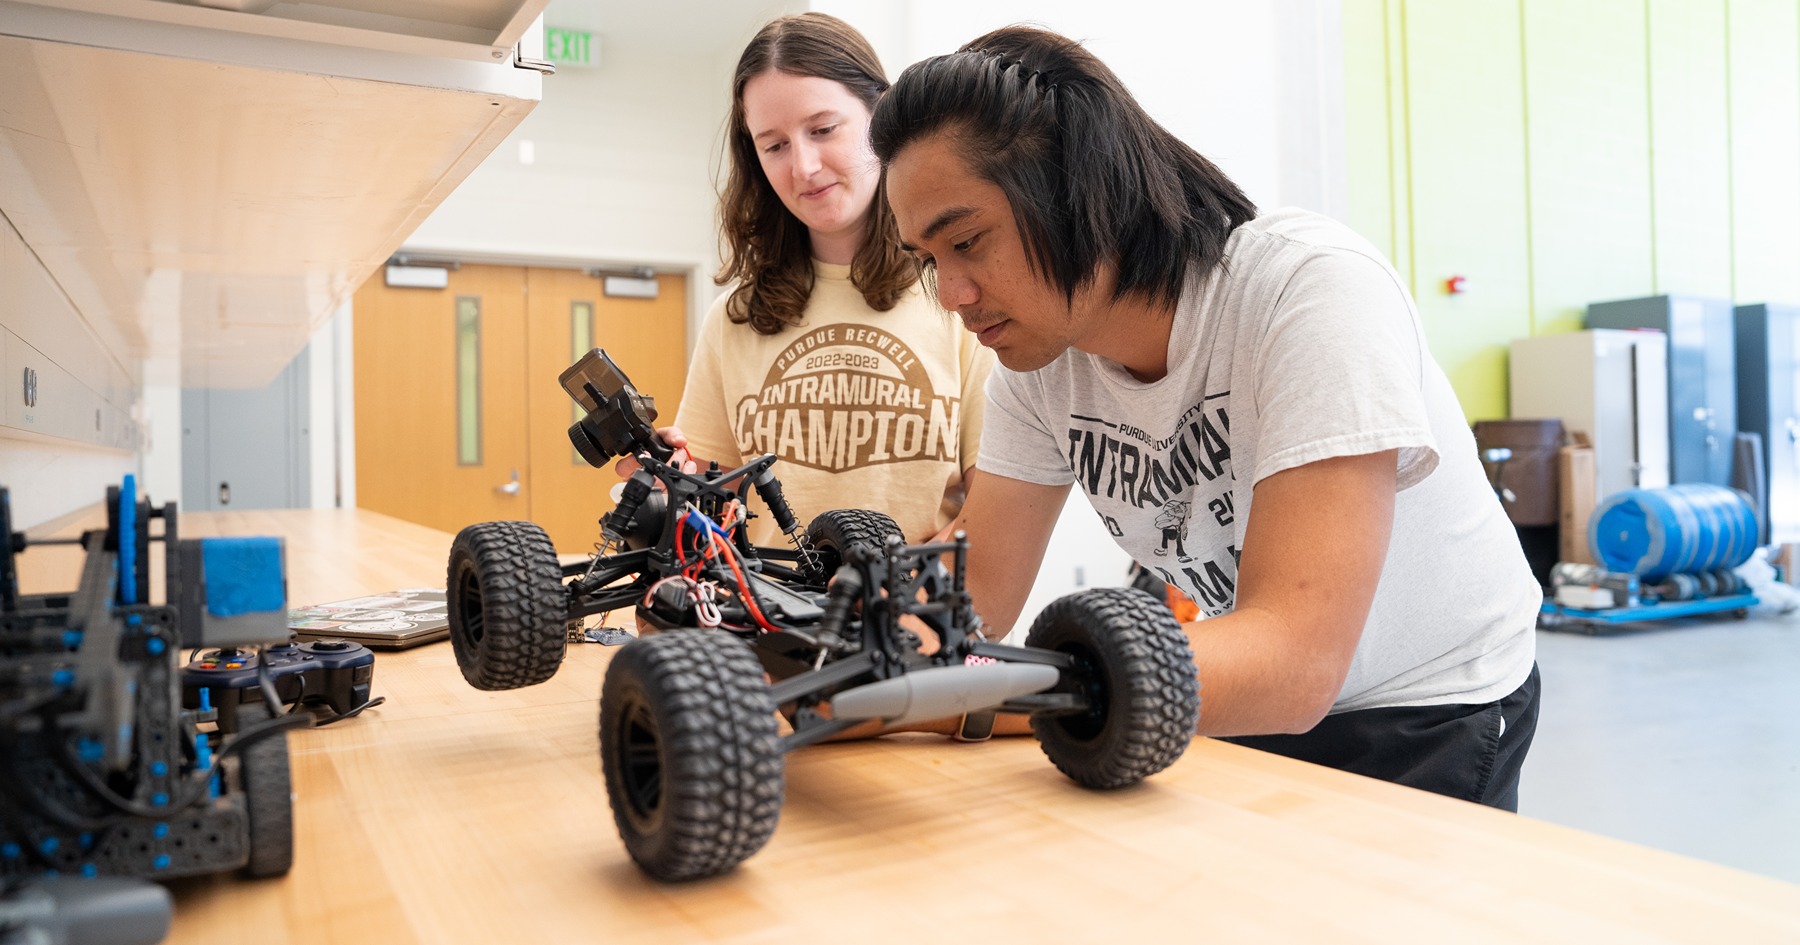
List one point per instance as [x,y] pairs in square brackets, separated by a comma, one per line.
[1768,359]
[248,449]
[1702,377]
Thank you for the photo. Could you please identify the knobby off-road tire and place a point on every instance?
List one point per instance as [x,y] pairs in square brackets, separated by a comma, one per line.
[1133,663]
[832,534]
[508,606]
[691,752]
[264,780]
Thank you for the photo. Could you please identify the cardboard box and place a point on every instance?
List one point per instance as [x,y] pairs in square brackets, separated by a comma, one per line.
[1784,557]
[1577,483]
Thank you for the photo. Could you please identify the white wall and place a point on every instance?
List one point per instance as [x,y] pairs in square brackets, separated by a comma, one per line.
[161,460]
[324,367]
[622,166]
[625,156]
[1256,87]
[46,479]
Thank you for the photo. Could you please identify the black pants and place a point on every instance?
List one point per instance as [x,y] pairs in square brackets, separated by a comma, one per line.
[1463,751]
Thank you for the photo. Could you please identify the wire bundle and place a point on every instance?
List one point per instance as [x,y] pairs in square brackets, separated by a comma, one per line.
[712,546]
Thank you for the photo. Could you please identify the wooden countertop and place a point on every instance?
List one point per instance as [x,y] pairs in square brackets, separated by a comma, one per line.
[452,815]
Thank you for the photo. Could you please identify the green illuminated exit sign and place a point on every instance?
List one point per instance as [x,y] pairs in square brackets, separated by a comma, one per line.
[571,47]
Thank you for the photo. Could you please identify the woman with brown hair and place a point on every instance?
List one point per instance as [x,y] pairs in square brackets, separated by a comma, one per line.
[825,351]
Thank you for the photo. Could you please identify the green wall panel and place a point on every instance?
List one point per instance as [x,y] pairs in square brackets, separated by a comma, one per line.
[1560,153]
[1764,82]
[1399,138]
[1588,154]
[1370,153]
[1690,138]
[1465,118]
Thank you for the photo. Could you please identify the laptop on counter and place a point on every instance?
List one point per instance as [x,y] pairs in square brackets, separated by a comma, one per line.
[392,620]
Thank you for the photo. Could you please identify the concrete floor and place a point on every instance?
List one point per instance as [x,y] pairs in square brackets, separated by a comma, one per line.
[1682,735]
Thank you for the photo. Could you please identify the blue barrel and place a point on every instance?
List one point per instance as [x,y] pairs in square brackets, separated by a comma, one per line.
[1683,529]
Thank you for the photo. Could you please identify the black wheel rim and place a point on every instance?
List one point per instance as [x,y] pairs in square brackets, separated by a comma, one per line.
[468,604]
[829,562]
[1091,683]
[640,765]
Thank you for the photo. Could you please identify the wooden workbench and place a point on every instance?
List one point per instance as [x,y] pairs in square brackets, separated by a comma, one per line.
[452,815]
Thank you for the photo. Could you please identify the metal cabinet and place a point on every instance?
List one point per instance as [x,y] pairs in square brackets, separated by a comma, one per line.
[1768,360]
[1702,377]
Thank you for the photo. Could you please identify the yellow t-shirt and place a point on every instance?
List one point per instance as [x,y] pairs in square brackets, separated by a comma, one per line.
[865,409]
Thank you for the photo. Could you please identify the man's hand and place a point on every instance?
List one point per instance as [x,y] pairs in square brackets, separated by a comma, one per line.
[1008,523]
[677,441]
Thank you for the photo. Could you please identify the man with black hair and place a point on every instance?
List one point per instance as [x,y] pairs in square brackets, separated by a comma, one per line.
[1165,347]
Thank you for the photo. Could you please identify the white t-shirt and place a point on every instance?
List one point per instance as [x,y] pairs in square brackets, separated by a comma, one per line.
[1303,346]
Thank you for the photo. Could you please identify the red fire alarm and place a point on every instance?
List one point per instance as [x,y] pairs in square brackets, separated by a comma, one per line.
[1456,285]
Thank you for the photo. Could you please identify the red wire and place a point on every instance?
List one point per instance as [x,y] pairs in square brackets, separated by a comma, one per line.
[743,585]
[718,547]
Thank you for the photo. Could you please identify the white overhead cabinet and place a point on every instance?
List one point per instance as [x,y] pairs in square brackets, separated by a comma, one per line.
[203,185]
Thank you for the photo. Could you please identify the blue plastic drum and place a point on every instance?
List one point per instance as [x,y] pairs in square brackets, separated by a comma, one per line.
[1683,529]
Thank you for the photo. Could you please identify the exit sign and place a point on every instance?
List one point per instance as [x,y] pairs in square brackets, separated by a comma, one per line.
[571,47]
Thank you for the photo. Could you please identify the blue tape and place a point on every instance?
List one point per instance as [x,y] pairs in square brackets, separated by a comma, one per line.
[243,575]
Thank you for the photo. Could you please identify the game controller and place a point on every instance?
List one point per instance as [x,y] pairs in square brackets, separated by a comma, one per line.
[333,673]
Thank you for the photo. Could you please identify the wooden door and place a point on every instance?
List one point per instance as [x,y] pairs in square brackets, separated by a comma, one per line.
[568,313]
[459,416]
[441,434]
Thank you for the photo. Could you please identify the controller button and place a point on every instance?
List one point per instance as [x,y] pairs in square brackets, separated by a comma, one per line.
[234,665]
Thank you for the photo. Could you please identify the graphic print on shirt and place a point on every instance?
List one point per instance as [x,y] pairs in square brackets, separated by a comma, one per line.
[845,396]
[1168,495]
[1174,522]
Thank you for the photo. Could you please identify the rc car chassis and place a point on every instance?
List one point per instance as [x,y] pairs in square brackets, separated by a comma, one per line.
[690,743]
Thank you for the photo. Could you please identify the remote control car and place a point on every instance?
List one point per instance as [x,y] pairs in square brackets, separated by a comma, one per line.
[103,772]
[822,631]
